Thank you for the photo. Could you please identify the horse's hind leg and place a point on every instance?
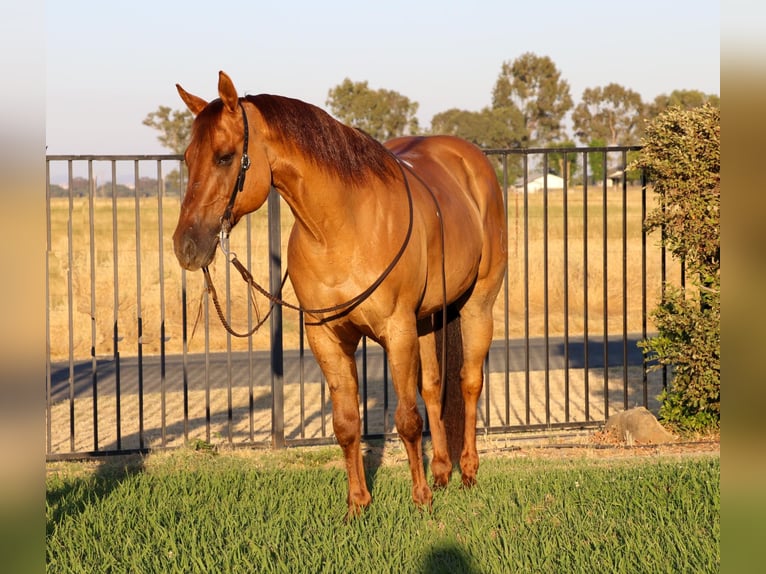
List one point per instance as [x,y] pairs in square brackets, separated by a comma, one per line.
[430,390]
[339,367]
[476,329]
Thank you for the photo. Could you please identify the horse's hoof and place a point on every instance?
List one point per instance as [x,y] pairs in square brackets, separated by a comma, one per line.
[469,481]
[423,498]
[355,510]
[442,472]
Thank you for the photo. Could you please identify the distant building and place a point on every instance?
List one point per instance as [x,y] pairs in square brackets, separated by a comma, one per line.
[554,182]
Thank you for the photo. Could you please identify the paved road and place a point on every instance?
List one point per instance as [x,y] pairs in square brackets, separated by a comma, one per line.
[241,366]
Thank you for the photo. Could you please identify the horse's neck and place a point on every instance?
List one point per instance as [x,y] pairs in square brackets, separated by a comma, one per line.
[319,202]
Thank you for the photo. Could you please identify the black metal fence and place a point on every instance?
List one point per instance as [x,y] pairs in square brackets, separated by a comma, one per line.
[136,360]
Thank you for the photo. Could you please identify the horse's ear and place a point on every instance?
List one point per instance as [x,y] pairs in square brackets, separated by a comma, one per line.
[194,103]
[227,92]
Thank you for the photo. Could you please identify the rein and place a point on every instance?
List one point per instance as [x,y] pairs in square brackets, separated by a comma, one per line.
[337,310]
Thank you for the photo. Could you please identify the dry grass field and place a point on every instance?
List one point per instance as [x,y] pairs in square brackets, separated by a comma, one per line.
[94,244]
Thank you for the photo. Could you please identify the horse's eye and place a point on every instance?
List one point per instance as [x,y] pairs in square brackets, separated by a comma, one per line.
[225,159]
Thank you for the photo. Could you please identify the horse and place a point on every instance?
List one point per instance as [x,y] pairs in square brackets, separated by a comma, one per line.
[384,237]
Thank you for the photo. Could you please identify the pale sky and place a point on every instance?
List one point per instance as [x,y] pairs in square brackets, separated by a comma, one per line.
[109,64]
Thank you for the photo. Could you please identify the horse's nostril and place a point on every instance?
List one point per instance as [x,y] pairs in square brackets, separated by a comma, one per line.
[187,251]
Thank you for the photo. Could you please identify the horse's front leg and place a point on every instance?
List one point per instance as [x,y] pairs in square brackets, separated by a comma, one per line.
[339,367]
[401,345]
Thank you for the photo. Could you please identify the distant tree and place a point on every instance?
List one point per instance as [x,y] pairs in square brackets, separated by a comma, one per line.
[174,127]
[563,165]
[613,113]
[532,84]
[56,190]
[383,114]
[596,161]
[488,128]
[684,99]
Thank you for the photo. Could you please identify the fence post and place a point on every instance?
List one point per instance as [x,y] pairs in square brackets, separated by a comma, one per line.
[277,358]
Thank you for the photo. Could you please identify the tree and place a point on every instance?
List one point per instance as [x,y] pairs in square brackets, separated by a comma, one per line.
[174,127]
[488,128]
[682,157]
[563,165]
[684,99]
[383,114]
[612,113]
[532,85]
[596,161]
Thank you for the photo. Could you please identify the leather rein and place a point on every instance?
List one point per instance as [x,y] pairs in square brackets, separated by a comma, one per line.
[336,310]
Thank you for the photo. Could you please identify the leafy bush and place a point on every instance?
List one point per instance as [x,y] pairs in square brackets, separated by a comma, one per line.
[682,158]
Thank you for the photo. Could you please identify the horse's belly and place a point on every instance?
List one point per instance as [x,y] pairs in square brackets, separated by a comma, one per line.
[461,267]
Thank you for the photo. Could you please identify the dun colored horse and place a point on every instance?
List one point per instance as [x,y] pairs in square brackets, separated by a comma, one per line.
[385,236]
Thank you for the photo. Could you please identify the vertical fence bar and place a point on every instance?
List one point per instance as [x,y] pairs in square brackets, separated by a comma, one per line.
[527,405]
[625,278]
[663,280]
[139,313]
[184,324]
[302,370]
[586,344]
[229,366]
[546,301]
[70,302]
[206,311]
[644,313]
[161,264]
[250,366]
[323,404]
[565,215]
[92,245]
[277,358]
[116,338]
[605,282]
[48,254]
[386,428]
[506,303]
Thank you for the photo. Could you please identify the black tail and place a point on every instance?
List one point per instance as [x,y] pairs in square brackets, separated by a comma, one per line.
[453,407]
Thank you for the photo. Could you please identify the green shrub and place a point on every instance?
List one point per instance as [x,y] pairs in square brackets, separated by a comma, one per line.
[682,158]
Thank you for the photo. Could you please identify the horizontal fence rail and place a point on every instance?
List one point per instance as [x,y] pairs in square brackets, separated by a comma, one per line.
[137,360]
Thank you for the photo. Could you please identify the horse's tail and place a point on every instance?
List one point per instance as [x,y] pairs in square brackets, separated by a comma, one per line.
[453,406]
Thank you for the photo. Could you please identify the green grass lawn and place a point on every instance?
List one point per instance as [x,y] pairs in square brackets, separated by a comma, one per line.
[195,511]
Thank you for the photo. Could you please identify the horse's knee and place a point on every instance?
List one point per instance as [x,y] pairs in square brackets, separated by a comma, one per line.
[346,426]
[430,388]
[471,383]
[409,423]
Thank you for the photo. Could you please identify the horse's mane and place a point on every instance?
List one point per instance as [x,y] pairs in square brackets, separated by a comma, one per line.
[350,153]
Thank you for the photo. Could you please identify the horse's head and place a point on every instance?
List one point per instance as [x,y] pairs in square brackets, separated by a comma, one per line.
[214,158]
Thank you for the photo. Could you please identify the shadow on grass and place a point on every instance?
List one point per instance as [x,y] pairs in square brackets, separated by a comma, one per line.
[64,497]
[448,557]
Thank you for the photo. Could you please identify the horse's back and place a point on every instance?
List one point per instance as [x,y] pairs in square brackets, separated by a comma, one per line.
[457,158]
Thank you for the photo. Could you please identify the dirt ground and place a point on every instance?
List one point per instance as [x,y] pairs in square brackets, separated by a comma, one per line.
[223,417]
[308,415]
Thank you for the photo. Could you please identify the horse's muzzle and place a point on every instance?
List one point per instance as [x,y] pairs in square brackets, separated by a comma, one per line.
[193,253]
